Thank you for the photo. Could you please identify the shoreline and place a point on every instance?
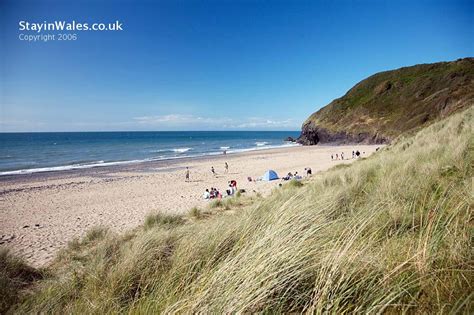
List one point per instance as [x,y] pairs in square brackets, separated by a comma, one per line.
[129,165]
[42,212]
[133,164]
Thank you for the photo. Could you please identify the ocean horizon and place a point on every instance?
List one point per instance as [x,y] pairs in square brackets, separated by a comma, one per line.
[34,152]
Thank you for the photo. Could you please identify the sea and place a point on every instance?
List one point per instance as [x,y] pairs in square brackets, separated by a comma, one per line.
[26,153]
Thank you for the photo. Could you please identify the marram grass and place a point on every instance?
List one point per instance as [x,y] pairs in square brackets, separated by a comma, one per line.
[388,234]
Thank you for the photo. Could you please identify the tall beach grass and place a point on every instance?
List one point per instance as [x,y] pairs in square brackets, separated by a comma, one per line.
[388,234]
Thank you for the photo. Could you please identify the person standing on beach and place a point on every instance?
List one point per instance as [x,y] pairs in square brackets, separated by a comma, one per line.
[187,174]
[342,156]
[226,167]
[332,157]
[353,154]
[213,171]
[337,156]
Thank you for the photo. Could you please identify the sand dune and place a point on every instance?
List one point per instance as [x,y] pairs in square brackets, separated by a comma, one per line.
[40,213]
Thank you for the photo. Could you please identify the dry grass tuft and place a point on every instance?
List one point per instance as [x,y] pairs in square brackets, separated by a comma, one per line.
[163,220]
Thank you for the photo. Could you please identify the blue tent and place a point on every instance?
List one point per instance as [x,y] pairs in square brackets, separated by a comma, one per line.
[270,175]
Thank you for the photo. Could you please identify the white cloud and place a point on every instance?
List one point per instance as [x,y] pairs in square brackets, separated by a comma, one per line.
[256,122]
[187,122]
[172,118]
[175,122]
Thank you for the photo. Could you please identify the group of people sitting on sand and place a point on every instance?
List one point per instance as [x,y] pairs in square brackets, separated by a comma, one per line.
[214,192]
[296,176]
[231,190]
[291,176]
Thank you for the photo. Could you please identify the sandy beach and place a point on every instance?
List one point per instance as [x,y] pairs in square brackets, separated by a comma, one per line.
[41,213]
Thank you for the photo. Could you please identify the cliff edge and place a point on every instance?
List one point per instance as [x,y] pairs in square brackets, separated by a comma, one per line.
[387,104]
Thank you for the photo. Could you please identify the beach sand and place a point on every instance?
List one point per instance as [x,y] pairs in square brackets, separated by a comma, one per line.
[40,213]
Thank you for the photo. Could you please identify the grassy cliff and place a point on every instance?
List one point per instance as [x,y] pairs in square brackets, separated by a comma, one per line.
[390,233]
[387,104]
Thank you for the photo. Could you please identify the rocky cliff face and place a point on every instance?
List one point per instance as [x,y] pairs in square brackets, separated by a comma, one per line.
[311,135]
[387,104]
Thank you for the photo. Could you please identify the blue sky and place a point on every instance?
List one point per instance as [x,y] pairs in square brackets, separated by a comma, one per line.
[211,65]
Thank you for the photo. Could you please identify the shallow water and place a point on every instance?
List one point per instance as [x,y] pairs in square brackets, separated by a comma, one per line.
[25,153]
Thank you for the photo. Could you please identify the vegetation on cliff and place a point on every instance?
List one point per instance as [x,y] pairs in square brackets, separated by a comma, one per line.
[387,104]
